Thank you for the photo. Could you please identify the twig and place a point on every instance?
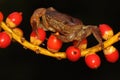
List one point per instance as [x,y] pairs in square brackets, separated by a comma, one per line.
[58,55]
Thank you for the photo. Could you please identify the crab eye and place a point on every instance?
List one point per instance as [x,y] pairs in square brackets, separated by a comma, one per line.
[65,22]
[75,21]
[72,20]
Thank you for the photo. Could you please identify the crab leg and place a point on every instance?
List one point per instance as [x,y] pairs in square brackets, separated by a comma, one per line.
[35,19]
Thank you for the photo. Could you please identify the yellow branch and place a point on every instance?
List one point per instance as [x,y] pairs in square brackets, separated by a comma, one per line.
[107,43]
[58,55]
[27,44]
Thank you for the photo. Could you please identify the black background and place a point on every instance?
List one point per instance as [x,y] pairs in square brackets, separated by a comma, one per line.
[16,63]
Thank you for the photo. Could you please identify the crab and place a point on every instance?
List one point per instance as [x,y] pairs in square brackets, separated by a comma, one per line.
[70,29]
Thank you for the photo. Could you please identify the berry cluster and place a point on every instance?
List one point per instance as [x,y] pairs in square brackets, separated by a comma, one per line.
[12,21]
[10,31]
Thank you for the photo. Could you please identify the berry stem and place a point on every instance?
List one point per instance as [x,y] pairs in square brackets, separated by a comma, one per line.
[58,55]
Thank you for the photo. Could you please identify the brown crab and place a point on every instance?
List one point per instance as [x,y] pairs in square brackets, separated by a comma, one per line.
[70,28]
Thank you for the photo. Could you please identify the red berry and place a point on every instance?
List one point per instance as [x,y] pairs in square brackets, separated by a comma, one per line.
[83,44]
[92,61]
[37,39]
[73,53]
[1,16]
[54,44]
[111,54]
[5,40]
[14,19]
[106,31]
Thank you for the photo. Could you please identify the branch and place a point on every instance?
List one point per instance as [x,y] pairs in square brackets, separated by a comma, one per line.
[28,45]
[58,55]
[98,48]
